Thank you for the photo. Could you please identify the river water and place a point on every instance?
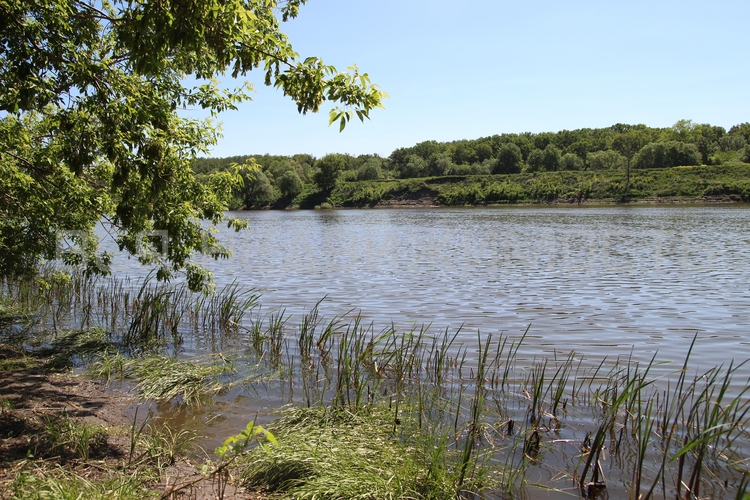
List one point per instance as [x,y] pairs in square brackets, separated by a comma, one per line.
[605,282]
[599,281]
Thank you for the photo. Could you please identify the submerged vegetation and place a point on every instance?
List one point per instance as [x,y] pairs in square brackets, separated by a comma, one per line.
[385,413]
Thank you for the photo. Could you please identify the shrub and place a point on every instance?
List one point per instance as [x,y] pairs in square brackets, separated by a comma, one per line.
[606,160]
[667,154]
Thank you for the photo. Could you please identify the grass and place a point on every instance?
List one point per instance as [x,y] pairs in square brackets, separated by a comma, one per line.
[162,378]
[730,182]
[36,482]
[339,454]
[413,414]
[71,438]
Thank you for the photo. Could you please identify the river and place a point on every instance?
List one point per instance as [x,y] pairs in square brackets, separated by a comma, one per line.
[595,280]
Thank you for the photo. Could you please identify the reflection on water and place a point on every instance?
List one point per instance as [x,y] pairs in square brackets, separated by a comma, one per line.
[599,280]
[604,282]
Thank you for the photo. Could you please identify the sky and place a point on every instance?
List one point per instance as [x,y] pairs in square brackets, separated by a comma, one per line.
[464,70]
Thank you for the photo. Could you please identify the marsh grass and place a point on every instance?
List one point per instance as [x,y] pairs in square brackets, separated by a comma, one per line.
[337,453]
[70,438]
[442,418]
[43,482]
[162,444]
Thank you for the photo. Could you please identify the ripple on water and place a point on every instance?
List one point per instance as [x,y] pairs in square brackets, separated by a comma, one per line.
[604,281]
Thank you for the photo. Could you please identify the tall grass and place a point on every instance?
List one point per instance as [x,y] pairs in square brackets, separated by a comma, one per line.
[438,418]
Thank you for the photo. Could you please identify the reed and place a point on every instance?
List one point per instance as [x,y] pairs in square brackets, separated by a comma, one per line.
[452,419]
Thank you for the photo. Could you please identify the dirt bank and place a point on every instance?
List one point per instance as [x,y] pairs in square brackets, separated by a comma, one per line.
[37,402]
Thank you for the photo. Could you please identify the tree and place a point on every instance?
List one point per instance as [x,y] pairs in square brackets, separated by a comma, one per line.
[90,130]
[667,154]
[509,159]
[289,184]
[606,160]
[438,164]
[571,161]
[371,169]
[535,160]
[742,129]
[628,144]
[463,153]
[328,170]
[415,167]
[258,190]
[551,158]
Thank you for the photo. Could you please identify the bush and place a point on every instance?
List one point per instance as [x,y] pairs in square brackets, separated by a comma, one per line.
[290,184]
[571,161]
[667,154]
[606,160]
[509,160]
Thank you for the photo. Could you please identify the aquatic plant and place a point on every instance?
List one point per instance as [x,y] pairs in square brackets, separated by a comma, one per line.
[450,419]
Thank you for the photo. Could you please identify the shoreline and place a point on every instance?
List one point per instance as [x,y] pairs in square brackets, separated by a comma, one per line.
[429,202]
[39,400]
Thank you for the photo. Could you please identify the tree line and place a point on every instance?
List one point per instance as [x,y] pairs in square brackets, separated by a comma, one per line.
[277,180]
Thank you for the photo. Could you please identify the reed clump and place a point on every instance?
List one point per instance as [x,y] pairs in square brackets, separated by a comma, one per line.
[438,414]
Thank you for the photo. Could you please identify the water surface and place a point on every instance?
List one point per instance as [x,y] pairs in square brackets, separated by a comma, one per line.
[600,281]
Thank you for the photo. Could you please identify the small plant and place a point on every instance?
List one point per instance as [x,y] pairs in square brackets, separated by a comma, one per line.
[234,446]
[5,405]
[68,437]
[163,378]
[162,444]
[39,483]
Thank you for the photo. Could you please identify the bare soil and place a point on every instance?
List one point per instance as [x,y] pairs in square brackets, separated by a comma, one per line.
[31,395]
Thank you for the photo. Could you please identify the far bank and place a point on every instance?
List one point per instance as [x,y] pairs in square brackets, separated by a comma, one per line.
[695,184]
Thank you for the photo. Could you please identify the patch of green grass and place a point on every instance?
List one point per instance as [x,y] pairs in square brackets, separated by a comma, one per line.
[5,404]
[162,378]
[67,437]
[44,483]
[162,444]
[338,454]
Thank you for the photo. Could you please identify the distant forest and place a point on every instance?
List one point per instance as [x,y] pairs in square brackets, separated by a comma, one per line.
[278,180]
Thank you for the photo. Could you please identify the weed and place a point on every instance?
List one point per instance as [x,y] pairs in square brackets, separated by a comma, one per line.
[40,483]
[71,438]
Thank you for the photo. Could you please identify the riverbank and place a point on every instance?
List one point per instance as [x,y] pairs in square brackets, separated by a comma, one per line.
[698,184]
[68,436]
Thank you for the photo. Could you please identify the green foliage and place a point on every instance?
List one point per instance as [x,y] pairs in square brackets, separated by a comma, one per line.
[606,160]
[371,171]
[89,93]
[571,161]
[732,143]
[258,191]
[162,378]
[535,161]
[238,443]
[509,160]
[67,437]
[551,158]
[349,454]
[741,130]
[44,482]
[415,166]
[290,184]
[667,154]
[328,170]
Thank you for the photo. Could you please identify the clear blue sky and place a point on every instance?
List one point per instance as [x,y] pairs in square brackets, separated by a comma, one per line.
[463,70]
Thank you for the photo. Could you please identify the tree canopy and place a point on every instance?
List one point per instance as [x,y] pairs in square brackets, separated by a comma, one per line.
[90,93]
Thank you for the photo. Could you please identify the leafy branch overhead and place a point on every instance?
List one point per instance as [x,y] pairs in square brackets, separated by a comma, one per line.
[90,94]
